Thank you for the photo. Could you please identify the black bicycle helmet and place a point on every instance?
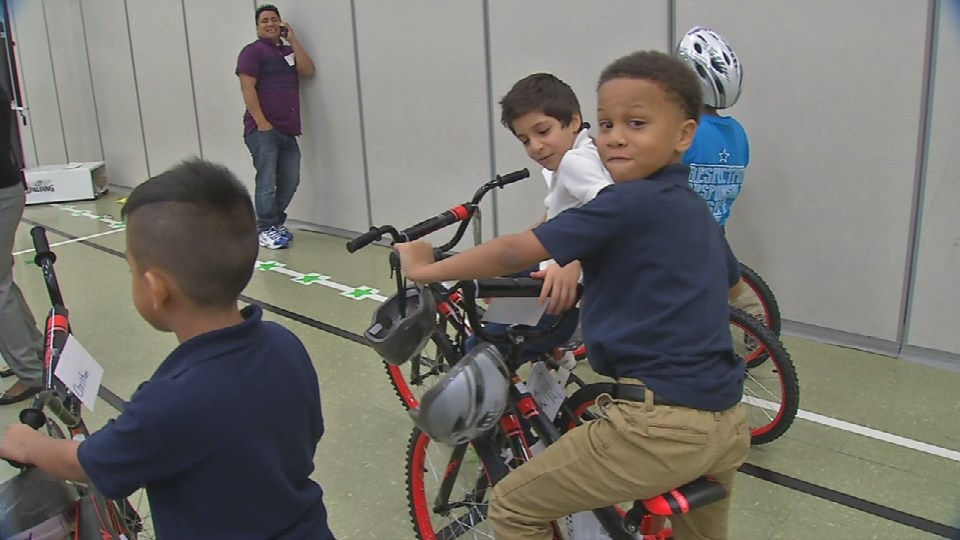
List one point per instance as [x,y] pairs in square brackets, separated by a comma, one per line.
[398,338]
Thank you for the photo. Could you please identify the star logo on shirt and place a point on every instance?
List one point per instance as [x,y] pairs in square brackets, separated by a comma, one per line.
[724,155]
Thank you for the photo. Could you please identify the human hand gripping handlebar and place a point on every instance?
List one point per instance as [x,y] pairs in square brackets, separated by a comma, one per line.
[460,213]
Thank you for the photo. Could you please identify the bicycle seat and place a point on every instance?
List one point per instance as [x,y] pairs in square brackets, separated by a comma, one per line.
[700,492]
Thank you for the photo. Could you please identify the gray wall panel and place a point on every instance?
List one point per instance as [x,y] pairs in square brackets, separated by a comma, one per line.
[115,91]
[44,128]
[424,99]
[831,102]
[163,78]
[936,301]
[580,43]
[217,30]
[69,52]
[332,190]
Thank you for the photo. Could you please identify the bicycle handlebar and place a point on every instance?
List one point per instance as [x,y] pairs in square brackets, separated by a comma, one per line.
[459,213]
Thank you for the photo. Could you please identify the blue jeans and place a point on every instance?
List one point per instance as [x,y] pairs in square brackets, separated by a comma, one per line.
[276,157]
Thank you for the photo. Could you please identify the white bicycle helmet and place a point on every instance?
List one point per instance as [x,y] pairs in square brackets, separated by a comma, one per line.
[716,65]
[399,337]
[468,400]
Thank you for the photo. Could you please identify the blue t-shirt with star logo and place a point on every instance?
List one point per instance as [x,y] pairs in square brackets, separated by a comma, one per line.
[718,158]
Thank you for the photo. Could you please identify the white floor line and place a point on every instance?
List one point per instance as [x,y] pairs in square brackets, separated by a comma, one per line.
[862,430]
[70,241]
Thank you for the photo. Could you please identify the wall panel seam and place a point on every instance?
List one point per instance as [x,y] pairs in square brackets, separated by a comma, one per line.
[93,90]
[53,71]
[193,87]
[920,180]
[488,67]
[136,89]
[363,131]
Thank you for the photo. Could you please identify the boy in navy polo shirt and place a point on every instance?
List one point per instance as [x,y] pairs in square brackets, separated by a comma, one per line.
[657,270]
[223,434]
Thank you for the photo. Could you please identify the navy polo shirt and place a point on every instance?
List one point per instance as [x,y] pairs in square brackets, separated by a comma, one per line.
[656,272]
[223,437]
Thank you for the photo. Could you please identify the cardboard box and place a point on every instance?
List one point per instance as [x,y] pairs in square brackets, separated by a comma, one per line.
[70,182]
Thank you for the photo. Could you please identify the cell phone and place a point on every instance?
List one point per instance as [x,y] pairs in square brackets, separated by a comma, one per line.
[283,31]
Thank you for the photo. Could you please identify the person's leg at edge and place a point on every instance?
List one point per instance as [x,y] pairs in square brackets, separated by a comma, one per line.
[21,342]
[634,451]
[288,175]
[264,149]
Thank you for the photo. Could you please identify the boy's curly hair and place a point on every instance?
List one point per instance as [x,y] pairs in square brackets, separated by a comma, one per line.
[672,74]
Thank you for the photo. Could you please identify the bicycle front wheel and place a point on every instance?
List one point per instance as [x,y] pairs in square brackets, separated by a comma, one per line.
[448,488]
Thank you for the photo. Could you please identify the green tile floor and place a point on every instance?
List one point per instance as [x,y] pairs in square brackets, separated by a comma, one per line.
[360,461]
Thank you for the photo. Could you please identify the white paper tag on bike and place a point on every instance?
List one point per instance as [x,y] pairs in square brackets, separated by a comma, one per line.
[546,389]
[515,311]
[582,525]
[79,372]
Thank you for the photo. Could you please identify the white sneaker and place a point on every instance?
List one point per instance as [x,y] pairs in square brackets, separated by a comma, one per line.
[272,238]
[285,232]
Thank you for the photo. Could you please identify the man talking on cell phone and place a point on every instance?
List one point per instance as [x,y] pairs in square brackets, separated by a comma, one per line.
[269,70]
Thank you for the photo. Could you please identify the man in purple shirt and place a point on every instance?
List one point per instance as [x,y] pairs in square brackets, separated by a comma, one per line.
[270,69]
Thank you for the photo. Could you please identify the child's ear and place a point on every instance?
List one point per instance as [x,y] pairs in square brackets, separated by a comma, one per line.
[687,130]
[158,285]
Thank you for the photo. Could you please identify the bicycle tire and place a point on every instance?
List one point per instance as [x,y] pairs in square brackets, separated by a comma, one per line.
[758,396]
[770,384]
[768,302]
[416,376]
[467,511]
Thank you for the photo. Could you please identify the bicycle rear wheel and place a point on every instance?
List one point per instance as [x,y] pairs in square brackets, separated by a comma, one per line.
[771,392]
[419,374]
[448,488]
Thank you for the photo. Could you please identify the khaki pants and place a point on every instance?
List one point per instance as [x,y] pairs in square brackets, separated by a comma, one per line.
[633,451]
[747,300]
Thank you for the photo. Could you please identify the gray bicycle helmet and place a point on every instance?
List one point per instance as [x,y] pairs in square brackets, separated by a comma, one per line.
[468,400]
[34,504]
[398,337]
[716,65]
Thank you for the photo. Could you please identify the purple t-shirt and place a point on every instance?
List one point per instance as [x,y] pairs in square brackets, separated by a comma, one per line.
[278,85]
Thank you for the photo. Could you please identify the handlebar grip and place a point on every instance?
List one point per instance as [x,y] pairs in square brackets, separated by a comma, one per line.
[425,227]
[510,178]
[364,239]
[41,246]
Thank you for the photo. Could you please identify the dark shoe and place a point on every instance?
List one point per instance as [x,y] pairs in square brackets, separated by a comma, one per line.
[7,398]
[6,373]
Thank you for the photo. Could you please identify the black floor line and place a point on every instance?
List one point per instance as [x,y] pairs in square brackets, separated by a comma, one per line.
[790,482]
[850,501]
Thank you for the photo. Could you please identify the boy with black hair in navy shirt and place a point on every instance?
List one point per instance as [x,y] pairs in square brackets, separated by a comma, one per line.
[657,270]
[205,475]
